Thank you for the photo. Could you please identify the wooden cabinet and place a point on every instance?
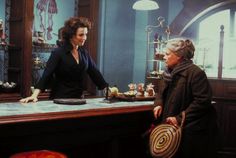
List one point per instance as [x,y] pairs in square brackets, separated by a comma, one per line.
[111,136]
[108,132]
[226,111]
[20,49]
[224,94]
[21,23]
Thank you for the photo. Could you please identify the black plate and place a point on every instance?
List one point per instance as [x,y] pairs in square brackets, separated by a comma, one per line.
[70,101]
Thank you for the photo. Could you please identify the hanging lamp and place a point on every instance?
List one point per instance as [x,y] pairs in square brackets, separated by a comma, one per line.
[145,5]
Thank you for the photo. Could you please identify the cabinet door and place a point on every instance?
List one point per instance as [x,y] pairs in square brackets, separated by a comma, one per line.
[21,22]
[226,112]
[19,47]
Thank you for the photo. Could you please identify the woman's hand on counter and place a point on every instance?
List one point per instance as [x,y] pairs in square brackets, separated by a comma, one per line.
[28,99]
[33,97]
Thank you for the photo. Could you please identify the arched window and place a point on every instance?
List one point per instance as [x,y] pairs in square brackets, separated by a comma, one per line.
[207,54]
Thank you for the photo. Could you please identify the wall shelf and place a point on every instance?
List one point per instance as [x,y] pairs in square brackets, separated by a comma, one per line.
[43,47]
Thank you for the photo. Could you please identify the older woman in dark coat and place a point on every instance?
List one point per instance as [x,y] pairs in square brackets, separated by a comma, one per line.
[187,89]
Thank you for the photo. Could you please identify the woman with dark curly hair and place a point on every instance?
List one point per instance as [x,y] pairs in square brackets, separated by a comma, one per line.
[68,64]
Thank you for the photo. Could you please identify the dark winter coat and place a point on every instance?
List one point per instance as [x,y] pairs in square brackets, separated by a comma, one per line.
[191,92]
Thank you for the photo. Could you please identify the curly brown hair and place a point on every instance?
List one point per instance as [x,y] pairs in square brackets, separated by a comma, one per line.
[71,26]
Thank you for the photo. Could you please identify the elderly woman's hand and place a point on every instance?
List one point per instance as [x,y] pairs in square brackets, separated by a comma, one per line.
[157,111]
[172,121]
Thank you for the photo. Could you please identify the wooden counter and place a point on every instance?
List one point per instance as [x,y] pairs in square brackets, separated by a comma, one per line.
[95,129]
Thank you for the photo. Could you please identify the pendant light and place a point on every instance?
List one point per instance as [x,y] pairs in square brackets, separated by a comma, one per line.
[145,5]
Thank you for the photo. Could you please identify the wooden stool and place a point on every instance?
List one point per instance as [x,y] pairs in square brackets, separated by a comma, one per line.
[39,154]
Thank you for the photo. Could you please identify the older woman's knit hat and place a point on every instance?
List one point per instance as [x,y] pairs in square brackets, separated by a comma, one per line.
[181,47]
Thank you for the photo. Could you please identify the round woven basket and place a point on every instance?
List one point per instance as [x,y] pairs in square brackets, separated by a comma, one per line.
[164,140]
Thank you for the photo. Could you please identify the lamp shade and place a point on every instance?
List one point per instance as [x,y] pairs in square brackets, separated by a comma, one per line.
[145,5]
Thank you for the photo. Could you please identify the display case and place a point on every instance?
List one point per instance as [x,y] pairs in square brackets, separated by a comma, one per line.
[157,36]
